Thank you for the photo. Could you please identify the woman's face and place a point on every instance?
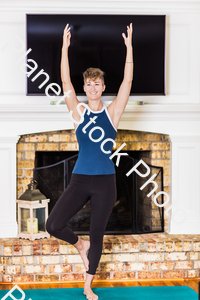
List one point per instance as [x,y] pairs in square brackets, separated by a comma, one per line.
[93,88]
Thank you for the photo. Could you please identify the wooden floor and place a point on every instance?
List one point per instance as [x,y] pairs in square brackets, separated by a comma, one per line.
[192,283]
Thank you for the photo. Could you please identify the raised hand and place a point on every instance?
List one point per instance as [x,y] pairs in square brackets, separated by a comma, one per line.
[128,39]
[66,36]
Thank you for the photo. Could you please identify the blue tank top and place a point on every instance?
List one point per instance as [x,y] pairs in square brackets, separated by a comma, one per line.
[91,159]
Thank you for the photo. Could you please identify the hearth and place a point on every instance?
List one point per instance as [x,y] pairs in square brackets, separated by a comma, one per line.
[133,213]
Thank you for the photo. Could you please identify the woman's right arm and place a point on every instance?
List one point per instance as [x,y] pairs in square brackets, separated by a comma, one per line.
[71,100]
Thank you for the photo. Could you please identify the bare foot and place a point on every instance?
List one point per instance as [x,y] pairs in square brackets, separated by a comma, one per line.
[83,253]
[89,294]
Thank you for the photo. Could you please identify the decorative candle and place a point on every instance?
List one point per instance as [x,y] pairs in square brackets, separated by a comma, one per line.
[35,225]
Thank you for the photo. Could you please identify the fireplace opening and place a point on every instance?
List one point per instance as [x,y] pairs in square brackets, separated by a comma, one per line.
[134,212]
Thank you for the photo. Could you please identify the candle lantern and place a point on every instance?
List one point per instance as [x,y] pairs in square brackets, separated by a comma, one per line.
[32,213]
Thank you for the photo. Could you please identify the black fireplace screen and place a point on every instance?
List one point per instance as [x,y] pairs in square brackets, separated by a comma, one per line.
[134,210]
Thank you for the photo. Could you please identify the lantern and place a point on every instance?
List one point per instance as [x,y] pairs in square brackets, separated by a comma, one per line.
[32,213]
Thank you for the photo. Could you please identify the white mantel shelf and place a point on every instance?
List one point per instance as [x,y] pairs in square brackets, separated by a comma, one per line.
[145,108]
[148,117]
[166,111]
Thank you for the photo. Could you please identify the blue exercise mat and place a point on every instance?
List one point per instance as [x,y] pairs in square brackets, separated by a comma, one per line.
[105,293]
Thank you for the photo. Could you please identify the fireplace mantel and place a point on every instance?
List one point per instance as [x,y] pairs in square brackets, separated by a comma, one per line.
[172,119]
[180,122]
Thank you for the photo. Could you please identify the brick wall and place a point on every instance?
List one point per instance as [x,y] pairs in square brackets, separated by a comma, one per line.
[65,140]
[145,256]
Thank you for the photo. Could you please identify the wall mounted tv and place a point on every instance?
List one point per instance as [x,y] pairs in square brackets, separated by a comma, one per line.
[96,41]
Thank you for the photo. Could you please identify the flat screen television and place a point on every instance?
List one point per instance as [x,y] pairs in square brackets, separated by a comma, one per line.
[96,41]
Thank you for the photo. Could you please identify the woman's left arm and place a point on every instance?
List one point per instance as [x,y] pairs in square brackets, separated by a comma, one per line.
[116,108]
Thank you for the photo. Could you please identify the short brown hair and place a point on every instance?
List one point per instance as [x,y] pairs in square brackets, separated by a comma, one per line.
[93,73]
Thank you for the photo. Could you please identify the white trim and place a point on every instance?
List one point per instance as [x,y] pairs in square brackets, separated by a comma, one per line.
[166,119]
[110,118]
[184,138]
[80,123]
[97,111]
[104,6]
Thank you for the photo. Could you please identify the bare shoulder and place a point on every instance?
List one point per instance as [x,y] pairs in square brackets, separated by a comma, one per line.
[76,116]
[110,109]
[115,117]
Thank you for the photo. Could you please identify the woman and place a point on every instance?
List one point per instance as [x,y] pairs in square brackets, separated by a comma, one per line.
[93,177]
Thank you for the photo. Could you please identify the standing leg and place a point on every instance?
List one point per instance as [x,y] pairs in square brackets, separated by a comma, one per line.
[103,197]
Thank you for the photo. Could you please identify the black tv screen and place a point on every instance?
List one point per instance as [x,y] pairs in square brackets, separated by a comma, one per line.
[96,41]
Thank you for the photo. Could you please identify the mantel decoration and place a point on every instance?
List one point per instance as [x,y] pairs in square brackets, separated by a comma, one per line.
[32,213]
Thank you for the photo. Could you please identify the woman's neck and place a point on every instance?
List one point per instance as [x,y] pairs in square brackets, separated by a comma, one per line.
[96,106]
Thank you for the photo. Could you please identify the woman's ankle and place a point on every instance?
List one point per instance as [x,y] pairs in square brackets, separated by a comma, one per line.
[78,245]
[88,285]
[88,281]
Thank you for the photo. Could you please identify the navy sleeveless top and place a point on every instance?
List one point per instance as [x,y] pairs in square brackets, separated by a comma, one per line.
[91,159]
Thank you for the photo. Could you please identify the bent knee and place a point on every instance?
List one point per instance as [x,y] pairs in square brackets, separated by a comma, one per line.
[50,227]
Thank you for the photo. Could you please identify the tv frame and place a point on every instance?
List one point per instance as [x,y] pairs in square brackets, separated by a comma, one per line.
[163,93]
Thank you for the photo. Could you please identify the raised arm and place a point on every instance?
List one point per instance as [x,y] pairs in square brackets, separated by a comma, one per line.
[72,100]
[116,108]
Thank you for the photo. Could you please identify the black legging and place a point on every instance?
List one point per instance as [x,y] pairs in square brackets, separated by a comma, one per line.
[101,191]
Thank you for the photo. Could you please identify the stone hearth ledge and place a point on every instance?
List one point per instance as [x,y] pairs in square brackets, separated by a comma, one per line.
[142,256]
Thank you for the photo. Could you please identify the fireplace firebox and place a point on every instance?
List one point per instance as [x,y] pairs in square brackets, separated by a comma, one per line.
[133,213]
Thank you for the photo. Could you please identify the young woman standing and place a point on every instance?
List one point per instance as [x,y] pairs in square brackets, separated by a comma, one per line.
[93,177]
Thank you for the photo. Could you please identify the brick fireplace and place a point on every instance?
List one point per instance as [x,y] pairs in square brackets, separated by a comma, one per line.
[155,146]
